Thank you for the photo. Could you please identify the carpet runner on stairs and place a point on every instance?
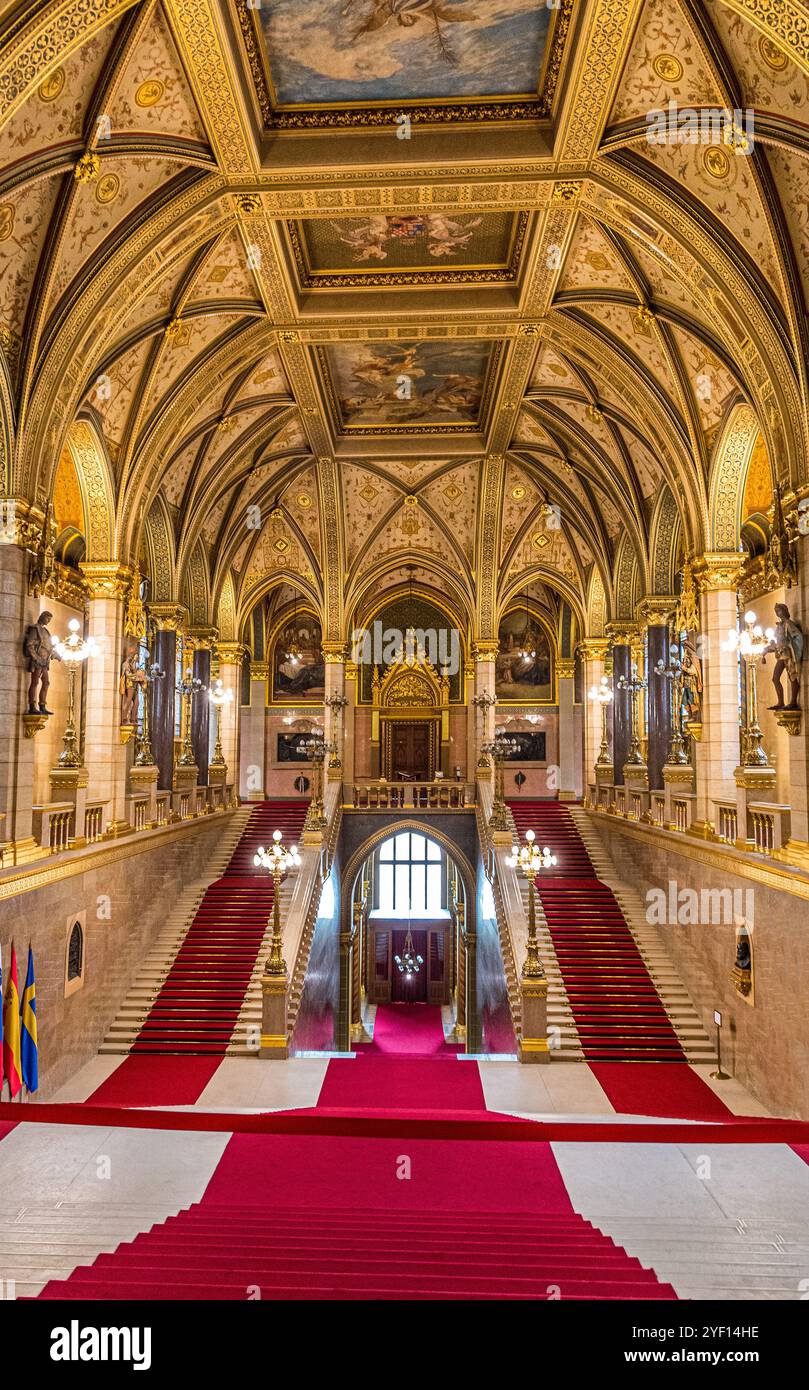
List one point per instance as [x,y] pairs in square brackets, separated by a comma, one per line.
[617,1010]
[227,1252]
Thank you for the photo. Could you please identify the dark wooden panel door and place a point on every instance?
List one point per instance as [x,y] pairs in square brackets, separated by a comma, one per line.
[411,751]
[414,989]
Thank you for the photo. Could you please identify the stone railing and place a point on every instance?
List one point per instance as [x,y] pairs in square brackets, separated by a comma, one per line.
[768,825]
[53,825]
[411,796]
[94,821]
[727,821]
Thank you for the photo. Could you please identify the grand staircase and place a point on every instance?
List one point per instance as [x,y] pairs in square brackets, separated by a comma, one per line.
[615,997]
[222,1252]
[198,991]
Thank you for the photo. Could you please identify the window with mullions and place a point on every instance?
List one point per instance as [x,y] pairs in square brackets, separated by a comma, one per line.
[411,877]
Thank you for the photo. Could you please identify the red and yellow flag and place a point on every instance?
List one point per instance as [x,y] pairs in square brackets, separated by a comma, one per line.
[11,1029]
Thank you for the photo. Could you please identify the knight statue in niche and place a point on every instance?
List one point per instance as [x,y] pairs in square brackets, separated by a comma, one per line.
[38,652]
[788,646]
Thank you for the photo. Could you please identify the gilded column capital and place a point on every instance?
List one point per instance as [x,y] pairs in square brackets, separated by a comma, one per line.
[656,610]
[168,617]
[593,648]
[485,650]
[106,579]
[717,570]
[259,670]
[203,638]
[231,653]
[621,634]
[565,667]
[334,653]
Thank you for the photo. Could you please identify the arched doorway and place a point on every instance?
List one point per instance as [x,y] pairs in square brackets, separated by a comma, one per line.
[408,932]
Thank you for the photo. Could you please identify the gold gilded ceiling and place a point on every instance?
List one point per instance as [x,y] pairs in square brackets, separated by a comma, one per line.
[416,261]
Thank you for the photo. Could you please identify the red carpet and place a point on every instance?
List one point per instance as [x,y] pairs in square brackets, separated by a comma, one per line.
[668,1088]
[324,1219]
[618,1013]
[391,1083]
[408,1030]
[191,1022]
[156,1081]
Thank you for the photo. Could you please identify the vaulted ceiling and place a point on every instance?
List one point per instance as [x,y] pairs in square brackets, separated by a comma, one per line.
[334,290]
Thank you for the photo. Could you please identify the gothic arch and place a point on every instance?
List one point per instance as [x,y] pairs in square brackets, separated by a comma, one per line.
[665,536]
[728,475]
[97,491]
[160,549]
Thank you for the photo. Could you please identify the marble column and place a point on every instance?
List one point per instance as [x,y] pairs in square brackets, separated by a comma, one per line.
[485,657]
[570,752]
[104,756]
[17,610]
[253,760]
[201,709]
[621,634]
[655,612]
[231,656]
[797,601]
[334,654]
[165,620]
[717,752]
[593,655]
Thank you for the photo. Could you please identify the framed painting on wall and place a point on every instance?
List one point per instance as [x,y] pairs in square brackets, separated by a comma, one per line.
[524,663]
[298,669]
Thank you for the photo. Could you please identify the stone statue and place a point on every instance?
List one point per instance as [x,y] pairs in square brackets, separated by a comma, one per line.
[133,677]
[38,650]
[788,645]
[692,683]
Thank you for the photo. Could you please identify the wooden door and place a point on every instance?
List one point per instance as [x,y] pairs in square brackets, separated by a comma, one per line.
[410,751]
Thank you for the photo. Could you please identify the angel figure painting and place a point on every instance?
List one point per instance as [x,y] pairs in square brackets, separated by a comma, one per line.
[343,51]
[408,383]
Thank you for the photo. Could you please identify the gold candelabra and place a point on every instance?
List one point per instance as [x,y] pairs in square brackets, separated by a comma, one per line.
[277,860]
[532,860]
[73,649]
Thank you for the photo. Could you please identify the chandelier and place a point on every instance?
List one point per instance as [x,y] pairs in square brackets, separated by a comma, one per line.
[409,963]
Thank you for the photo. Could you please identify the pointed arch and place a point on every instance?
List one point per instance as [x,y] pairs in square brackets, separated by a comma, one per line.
[729,475]
[666,529]
[97,490]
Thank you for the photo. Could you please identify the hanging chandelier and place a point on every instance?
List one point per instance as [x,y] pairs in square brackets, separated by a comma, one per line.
[409,963]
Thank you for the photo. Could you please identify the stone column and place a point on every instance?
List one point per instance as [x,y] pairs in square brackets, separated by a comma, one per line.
[334,655]
[166,620]
[717,753]
[797,601]
[201,710]
[593,655]
[231,656]
[655,612]
[485,657]
[621,634]
[351,676]
[104,756]
[17,610]
[569,726]
[253,760]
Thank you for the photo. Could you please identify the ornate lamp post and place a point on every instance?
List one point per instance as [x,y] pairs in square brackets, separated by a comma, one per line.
[634,684]
[276,860]
[601,694]
[73,649]
[483,703]
[187,688]
[316,750]
[532,860]
[751,644]
[336,703]
[145,757]
[498,750]
[674,672]
[219,697]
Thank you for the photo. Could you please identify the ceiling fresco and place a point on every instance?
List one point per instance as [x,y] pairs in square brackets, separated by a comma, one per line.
[323,52]
[410,249]
[422,385]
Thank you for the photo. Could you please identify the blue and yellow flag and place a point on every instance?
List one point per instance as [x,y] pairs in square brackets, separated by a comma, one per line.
[29,1056]
[11,1029]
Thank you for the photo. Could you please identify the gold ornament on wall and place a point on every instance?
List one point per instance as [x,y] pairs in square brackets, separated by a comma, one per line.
[51,88]
[108,188]
[667,67]
[135,616]
[149,92]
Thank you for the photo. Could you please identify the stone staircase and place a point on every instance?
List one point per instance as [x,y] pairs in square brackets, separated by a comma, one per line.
[675,998]
[158,960]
